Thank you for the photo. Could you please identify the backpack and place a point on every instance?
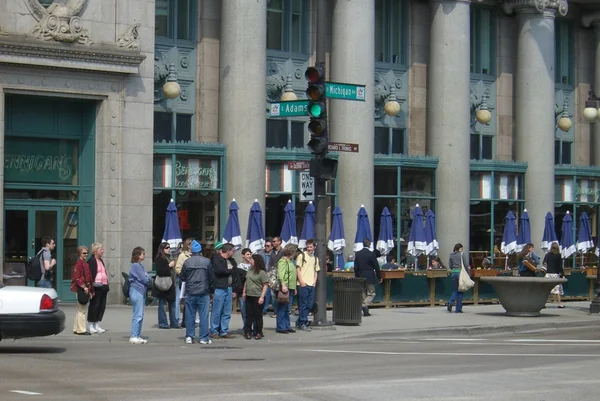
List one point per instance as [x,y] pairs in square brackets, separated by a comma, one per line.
[125,286]
[33,267]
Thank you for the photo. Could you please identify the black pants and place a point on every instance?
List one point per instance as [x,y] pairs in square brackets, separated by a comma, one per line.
[97,304]
[254,316]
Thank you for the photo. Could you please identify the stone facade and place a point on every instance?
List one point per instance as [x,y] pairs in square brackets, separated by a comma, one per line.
[114,67]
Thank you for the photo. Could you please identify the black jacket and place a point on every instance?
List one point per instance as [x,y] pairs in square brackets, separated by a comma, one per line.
[553,263]
[94,269]
[239,278]
[197,274]
[223,275]
[163,270]
[366,266]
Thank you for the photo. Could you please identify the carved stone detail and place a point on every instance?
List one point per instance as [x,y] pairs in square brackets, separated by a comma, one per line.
[130,39]
[590,19]
[553,6]
[60,21]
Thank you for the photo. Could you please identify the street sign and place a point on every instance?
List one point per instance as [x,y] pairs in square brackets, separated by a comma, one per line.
[307,187]
[343,147]
[299,165]
[337,90]
[288,109]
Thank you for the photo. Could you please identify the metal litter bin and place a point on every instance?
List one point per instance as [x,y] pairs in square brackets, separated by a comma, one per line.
[347,300]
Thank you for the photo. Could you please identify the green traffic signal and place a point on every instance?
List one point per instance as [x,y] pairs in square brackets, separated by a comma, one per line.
[316,110]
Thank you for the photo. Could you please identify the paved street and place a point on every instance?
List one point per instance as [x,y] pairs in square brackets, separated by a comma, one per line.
[535,364]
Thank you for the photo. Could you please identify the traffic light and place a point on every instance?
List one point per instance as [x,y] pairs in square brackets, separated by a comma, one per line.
[317,110]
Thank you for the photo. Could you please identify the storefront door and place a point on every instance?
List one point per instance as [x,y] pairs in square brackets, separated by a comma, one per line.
[24,228]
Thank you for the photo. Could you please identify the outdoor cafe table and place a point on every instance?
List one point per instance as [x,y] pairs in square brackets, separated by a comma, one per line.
[476,274]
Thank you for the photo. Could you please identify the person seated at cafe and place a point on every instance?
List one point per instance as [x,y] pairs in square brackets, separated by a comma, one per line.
[390,263]
[349,265]
[436,263]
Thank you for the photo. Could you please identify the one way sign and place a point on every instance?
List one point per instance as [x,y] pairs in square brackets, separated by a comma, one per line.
[307,187]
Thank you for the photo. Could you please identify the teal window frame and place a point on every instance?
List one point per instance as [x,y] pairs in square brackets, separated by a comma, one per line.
[390,30]
[483,40]
[174,116]
[480,136]
[289,141]
[564,44]
[173,22]
[559,151]
[287,25]
[392,131]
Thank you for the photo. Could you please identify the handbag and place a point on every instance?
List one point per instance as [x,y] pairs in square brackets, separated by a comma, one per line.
[82,297]
[529,265]
[273,280]
[283,297]
[163,283]
[464,281]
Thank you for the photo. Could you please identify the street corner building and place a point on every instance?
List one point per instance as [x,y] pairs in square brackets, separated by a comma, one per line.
[470,109]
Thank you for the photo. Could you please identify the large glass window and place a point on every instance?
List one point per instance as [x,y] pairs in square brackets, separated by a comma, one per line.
[287,25]
[390,31]
[483,31]
[482,147]
[563,152]
[564,46]
[390,141]
[170,127]
[286,134]
[174,19]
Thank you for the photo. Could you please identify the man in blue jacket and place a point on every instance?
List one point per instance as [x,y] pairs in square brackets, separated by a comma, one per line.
[198,277]
[367,267]
[223,269]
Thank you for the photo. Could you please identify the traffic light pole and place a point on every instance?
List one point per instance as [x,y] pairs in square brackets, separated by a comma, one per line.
[320,318]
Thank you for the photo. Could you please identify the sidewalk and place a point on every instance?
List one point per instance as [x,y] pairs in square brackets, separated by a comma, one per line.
[384,323]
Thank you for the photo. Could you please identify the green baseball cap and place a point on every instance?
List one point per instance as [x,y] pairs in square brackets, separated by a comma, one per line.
[218,245]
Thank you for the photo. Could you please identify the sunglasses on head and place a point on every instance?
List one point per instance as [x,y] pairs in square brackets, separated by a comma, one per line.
[84,253]
[167,247]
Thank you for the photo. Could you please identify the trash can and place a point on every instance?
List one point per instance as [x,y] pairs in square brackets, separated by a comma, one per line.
[347,300]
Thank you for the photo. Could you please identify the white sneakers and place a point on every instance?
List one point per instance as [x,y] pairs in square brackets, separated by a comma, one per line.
[188,340]
[137,340]
[206,342]
[95,328]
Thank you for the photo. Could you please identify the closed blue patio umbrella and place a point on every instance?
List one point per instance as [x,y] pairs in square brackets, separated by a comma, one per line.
[549,236]
[385,241]
[255,235]
[337,238]
[524,236]
[363,229]
[232,233]
[308,227]
[509,237]
[288,231]
[584,240]
[417,242]
[431,234]
[172,233]
[567,247]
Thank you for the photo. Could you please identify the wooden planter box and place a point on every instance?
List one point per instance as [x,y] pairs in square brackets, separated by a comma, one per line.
[484,272]
[591,271]
[390,274]
[567,271]
[437,273]
[342,274]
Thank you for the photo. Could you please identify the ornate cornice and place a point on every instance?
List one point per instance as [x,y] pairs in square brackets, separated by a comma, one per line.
[28,50]
[541,6]
[590,19]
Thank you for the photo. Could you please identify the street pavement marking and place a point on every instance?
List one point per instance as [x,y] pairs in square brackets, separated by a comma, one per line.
[525,340]
[332,351]
[24,392]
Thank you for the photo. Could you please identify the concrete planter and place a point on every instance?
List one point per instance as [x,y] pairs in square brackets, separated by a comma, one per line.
[523,296]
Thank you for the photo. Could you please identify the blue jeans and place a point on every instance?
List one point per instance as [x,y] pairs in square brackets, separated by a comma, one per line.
[283,314]
[197,304]
[162,314]
[44,283]
[137,300]
[268,300]
[306,299]
[221,311]
[177,299]
[456,295]
[242,304]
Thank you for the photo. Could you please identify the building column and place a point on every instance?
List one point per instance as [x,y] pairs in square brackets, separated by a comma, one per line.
[448,119]
[353,61]
[535,104]
[593,20]
[242,94]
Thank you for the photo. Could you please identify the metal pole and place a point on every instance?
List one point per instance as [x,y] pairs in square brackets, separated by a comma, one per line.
[320,318]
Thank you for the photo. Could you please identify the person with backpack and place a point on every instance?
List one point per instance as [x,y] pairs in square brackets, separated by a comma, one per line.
[307,268]
[46,262]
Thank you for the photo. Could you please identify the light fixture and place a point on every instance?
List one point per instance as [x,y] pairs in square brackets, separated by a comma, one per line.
[288,94]
[591,113]
[171,88]
[565,123]
[392,107]
[483,115]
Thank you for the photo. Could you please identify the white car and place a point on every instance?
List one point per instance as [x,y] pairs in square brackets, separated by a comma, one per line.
[29,312]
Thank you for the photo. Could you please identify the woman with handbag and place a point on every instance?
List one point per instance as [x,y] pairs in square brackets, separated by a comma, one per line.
[528,261]
[81,283]
[458,261]
[554,269]
[100,283]
[286,273]
[164,287]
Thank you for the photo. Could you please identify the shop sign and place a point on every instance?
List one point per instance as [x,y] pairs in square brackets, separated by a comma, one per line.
[44,161]
[196,174]
[588,192]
